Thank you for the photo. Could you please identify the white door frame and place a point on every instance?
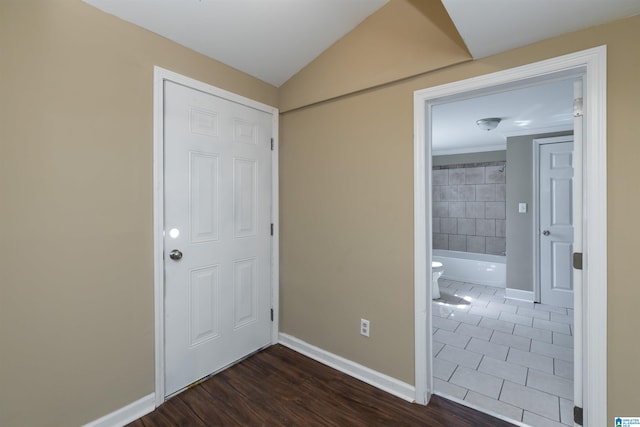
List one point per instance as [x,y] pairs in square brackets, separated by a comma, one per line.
[160,75]
[593,320]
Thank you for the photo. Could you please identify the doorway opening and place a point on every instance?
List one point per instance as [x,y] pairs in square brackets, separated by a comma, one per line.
[590,302]
[509,356]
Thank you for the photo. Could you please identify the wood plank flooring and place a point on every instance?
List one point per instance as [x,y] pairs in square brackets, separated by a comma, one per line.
[280,387]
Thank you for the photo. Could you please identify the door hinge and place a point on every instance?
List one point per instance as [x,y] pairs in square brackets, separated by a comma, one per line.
[272,229]
[272,314]
[271,144]
[577,415]
[577,260]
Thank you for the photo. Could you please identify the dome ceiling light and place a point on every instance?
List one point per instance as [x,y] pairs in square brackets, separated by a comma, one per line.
[489,123]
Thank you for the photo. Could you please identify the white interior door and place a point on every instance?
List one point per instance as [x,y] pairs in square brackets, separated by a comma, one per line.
[555,185]
[217,176]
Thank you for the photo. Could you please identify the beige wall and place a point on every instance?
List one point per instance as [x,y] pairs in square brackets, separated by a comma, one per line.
[76,268]
[402,39]
[76,285]
[347,207]
[346,240]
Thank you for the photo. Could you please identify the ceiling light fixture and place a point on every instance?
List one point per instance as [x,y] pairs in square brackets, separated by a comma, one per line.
[488,123]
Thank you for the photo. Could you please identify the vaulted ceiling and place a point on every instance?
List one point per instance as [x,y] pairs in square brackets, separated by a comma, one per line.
[274,39]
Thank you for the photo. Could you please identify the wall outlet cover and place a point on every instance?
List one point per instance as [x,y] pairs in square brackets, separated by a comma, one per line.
[364,327]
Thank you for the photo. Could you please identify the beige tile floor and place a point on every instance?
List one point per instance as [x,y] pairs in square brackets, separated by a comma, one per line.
[510,357]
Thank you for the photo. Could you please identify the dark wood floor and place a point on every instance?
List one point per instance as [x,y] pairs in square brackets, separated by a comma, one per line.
[279,387]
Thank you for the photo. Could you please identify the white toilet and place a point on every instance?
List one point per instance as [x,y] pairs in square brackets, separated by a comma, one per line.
[436,271]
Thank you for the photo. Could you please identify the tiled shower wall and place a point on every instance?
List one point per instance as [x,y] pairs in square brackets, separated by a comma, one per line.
[469,207]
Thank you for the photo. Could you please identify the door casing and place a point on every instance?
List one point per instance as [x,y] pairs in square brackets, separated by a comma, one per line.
[592,321]
[160,75]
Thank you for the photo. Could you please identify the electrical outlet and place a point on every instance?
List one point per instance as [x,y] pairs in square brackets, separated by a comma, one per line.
[364,327]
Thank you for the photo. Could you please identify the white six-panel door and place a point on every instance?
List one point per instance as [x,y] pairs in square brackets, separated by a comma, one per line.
[556,223]
[217,177]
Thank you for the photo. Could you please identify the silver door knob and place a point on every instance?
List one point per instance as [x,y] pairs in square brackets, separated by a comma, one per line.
[546,232]
[175,255]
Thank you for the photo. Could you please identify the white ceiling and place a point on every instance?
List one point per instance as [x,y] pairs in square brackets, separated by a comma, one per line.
[268,39]
[546,107]
[492,26]
[274,39]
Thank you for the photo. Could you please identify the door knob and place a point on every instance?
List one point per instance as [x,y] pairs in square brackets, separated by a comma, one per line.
[175,255]
[546,232]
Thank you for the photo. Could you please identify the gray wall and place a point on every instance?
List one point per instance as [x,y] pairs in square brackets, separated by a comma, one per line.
[520,226]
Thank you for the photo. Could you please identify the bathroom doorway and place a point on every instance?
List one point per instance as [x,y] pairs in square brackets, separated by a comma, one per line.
[509,357]
[588,64]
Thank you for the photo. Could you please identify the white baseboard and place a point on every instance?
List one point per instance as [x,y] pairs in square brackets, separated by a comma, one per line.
[476,280]
[126,414]
[383,382]
[519,294]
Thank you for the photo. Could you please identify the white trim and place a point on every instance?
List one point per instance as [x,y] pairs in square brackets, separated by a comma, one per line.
[540,130]
[275,219]
[593,63]
[126,414]
[474,149]
[421,253]
[158,230]
[379,380]
[519,294]
[160,75]
[578,212]
[594,319]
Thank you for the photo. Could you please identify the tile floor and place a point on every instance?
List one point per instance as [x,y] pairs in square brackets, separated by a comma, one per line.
[511,357]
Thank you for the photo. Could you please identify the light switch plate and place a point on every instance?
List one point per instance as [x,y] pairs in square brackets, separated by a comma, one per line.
[522,208]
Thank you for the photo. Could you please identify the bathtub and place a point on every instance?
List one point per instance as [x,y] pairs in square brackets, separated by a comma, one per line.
[484,269]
